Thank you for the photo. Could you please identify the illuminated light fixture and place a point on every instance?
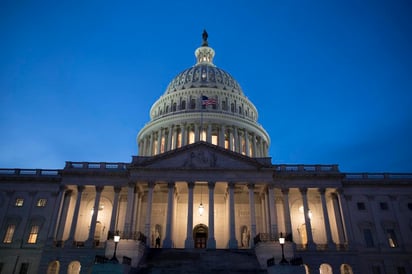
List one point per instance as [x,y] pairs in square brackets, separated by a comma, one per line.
[116,242]
[282,243]
[309,212]
[201,207]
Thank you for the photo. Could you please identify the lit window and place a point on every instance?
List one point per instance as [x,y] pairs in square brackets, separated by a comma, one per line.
[8,237]
[41,202]
[392,238]
[34,231]
[361,206]
[19,202]
[383,206]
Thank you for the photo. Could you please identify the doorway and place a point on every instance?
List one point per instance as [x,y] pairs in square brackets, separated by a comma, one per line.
[200,235]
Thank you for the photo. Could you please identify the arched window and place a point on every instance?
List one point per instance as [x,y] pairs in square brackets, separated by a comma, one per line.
[325,269]
[346,269]
[183,106]
[192,104]
[167,109]
[174,107]
[74,267]
[232,107]
[53,268]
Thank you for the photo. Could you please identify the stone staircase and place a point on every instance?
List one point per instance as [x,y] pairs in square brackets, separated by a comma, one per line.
[188,261]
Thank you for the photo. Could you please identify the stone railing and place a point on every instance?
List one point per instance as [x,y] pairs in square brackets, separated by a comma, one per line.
[306,168]
[128,235]
[29,172]
[95,166]
[269,237]
[378,176]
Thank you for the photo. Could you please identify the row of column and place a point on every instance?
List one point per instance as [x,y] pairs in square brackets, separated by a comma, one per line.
[338,204]
[230,137]
[270,214]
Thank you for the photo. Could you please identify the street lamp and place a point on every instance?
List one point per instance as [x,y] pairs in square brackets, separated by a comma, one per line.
[116,241]
[282,243]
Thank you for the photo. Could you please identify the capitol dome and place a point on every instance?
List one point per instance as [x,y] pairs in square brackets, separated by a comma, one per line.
[203,103]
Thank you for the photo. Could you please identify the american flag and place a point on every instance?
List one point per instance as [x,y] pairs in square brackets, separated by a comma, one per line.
[208,101]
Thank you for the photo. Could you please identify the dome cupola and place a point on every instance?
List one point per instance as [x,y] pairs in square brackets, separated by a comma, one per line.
[203,103]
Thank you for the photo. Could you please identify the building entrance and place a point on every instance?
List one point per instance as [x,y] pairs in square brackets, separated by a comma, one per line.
[200,235]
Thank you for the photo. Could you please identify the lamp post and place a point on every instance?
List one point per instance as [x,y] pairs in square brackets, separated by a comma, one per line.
[116,241]
[282,243]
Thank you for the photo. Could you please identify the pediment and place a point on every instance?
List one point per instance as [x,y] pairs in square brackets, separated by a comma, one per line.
[200,155]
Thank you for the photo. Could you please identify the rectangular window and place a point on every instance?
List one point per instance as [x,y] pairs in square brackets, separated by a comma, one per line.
[392,238]
[383,206]
[19,202]
[361,206]
[8,237]
[24,268]
[41,202]
[34,231]
[367,234]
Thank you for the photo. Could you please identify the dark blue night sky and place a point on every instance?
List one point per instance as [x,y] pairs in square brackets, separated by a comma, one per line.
[332,80]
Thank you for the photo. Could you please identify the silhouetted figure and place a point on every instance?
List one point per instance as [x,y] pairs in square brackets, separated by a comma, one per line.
[205,36]
[157,245]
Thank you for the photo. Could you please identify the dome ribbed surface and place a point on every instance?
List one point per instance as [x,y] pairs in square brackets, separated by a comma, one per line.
[204,75]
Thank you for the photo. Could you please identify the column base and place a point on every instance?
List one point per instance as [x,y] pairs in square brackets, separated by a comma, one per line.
[311,246]
[167,243]
[211,243]
[233,244]
[189,243]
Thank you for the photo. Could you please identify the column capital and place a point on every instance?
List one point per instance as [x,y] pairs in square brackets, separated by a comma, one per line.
[80,188]
[151,184]
[171,184]
[131,184]
[117,189]
[303,190]
[191,185]
[231,184]
[211,185]
[285,190]
[99,189]
[322,190]
[251,186]
[271,187]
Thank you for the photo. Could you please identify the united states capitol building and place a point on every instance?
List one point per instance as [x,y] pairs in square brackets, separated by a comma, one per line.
[203,182]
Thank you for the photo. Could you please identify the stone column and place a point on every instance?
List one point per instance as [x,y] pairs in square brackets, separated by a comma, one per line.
[149,212]
[251,188]
[150,151]
[272,213]
[114,217]
[338,218]
[264,213]
[347,226]
[236,141]
[197,132]
[184,135]
[311,244]
[175,134]
[167,242]
[80,190]
[63,215]
[159,140]
[209,133]
[139,210]
[169,138]
[254,154]
[222,136]
[211,241]
[329,240]
[128,220]
[247,145]
[189,243]
[90,239]
[231,143]
[286,212]
[233,244]
[58,208]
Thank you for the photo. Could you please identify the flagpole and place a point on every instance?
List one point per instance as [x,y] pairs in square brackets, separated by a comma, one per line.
[201,117]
